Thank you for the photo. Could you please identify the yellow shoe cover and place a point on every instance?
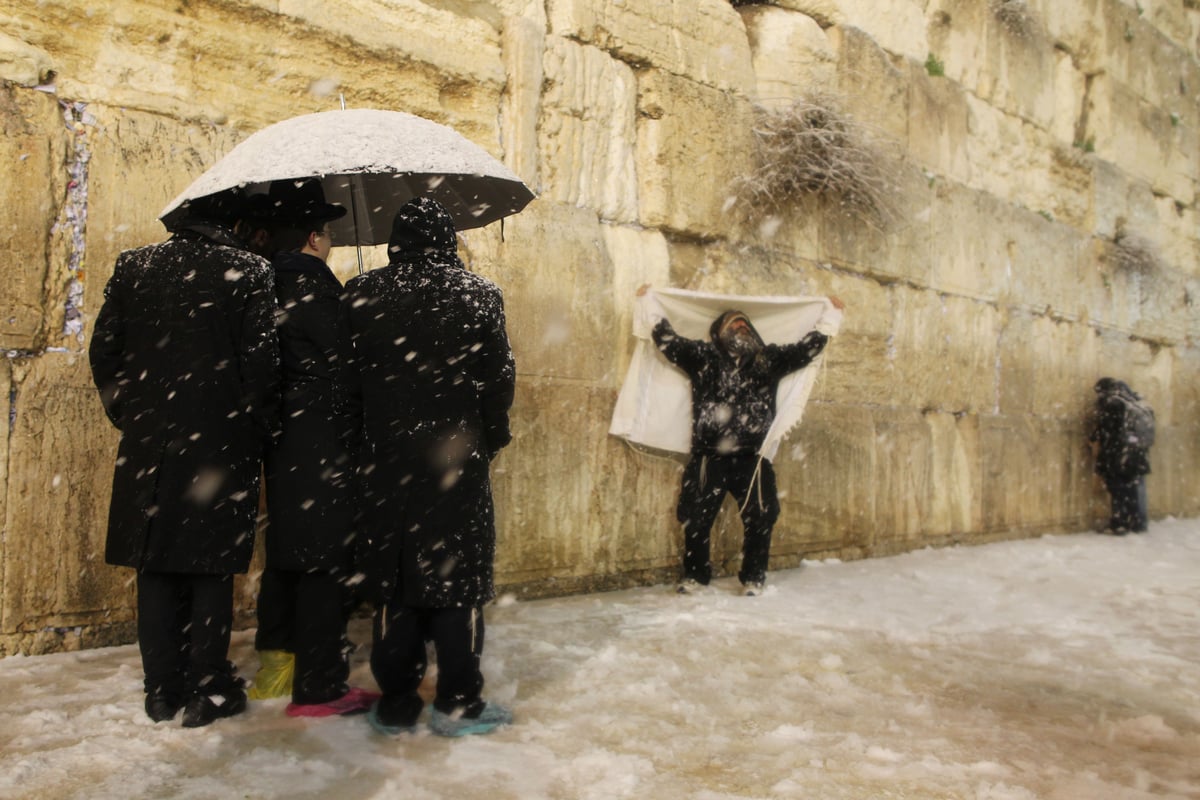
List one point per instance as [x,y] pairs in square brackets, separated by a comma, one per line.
[274,678]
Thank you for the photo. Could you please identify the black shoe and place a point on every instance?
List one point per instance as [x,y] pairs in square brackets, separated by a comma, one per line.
[203,709]
[161,707]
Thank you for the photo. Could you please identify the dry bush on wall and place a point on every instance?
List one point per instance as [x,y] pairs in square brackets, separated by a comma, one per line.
[812,148]
[1015,16]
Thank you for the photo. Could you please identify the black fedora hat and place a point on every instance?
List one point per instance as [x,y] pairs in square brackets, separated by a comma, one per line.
[301,202]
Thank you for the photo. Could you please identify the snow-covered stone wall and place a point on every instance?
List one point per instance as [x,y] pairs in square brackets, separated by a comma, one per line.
[1028,137]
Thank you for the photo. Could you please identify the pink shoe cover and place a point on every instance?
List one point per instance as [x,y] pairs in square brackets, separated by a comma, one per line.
[355,701]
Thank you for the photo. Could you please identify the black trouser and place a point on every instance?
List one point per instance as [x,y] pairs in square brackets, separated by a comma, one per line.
[183,625]
[398,659]
[751,481]
[1128,503]
[305,613]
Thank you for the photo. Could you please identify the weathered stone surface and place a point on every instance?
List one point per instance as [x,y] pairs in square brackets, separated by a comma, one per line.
[1141,139]
[689,136]
[898,25]
[972,254]
[938,121]
[588,130]
[790,53]
[557,279]
[824,12]
[702,40]
[59,473]
[601,507]
[34,150]
[945,352]
[523,47]
[874,87]
[827,474]
[465,44]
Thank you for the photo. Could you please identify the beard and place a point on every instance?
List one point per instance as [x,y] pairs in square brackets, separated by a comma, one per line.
[741,343]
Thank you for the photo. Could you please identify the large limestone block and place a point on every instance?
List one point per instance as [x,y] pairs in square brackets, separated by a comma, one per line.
[826,473]
[1046,260]
[903,479]
[791,54]
[958,38]
[956,470]
[589,130]
[1044,366]
[22,63]
[874,87]
[36,149]
[463,41]
[1141,139]
[59,477]
[703,40]
[898,247]
[557,278]
[860,364]
[210,63]
[945,352]
[692,143]
[1016,489]
[1019,75]
[938,125]
[897,25]
[971,257]
[571,501]
[523,45]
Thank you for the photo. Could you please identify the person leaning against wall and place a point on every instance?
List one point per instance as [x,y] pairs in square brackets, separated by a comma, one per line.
[185,357]
[1123,434]
[305,595]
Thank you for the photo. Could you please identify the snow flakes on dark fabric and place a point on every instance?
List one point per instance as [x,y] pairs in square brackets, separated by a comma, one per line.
[193,429]
[436,375]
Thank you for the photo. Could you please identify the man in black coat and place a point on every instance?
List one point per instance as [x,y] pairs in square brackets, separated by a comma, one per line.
[1121,459]
[186,360]
[302,601]
[734,380]
[437,374]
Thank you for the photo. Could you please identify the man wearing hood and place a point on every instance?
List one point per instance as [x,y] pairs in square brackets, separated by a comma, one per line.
[1123,452]
[437,378]
[302,603]
[185,357]
[734,381]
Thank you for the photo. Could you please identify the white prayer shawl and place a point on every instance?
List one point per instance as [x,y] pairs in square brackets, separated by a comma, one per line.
[654,407]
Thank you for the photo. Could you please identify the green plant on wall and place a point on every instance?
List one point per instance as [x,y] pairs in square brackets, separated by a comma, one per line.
[934,67]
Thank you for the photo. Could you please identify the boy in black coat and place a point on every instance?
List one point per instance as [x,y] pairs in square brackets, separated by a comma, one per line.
[734,381]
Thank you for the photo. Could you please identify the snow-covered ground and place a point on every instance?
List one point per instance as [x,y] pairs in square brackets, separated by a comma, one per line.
[1066,667]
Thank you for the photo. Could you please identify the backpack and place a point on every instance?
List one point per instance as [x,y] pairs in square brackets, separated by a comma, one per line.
[1137,423]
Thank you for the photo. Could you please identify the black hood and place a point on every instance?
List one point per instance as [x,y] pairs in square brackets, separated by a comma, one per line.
[421,226]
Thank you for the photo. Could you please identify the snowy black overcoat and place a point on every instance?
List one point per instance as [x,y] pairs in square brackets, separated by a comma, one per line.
[310,468]
[733,400]
[437,380]
[1116,458]
[186,360]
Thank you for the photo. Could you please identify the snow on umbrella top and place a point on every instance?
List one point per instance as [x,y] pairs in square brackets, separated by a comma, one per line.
[372,162]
